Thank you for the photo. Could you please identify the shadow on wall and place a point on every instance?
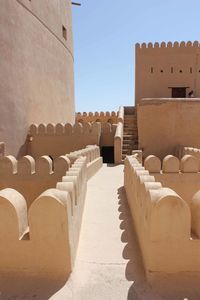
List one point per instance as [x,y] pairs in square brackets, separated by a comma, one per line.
[131,252]
[29,289]
[179,286]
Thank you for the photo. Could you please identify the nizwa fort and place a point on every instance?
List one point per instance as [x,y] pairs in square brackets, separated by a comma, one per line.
[96,205]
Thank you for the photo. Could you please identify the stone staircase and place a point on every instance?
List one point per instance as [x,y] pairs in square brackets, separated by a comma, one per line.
[130,135]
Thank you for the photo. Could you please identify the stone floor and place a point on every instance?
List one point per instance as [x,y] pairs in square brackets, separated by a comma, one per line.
[108,264]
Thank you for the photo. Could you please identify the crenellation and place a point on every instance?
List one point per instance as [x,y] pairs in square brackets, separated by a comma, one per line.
[153,164]
[161,215]
[8,165]
[189,164]
[44,166]
[62,139]
[13,215]
[33,130]
[68,129]
[42,129]
[26,166]
[59,130]
[54,219]
[170,164]
[101,117]
[167,45]
[61,164]
[77,128]
[50,129]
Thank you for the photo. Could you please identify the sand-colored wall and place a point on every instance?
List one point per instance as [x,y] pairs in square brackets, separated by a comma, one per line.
[151,60]
[92,154]
[60,139]
[36,68]
[163,222]
[43,242]
[183,176]
[32,177]
[107,134]
[103,117]
[165,123]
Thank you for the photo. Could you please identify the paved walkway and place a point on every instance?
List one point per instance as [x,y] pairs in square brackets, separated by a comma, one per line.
[103,268]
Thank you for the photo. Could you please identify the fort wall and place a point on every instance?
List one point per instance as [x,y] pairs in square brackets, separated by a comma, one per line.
[102,117]
[47,247]
[36,68]
[163,222]
[165,123]
[60,139]
[183,176]
[159,67]
[32,177]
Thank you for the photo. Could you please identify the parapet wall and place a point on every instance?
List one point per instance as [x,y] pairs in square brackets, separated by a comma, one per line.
[31,177]
[183,176]
[102,117]
[42,243]
[164,123]
[59,139]
[181,151]
[168,46]
[163,222]
[93,159]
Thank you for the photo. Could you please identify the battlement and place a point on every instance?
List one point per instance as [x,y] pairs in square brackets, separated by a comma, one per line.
[59,139]
[51,227]
[31,177]
[169,45]
[167,227]
[93,159]
[171,164]
[180,151]
[63,129]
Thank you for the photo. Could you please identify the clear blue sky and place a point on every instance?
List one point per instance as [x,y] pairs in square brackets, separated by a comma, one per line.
[105,32]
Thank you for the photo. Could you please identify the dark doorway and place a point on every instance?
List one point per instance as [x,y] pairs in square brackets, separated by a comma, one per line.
[179,92]
[108,154]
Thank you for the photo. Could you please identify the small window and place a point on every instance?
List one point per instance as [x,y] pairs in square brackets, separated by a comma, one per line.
[191,70]
[161,71]
[181,71]
[151,69]
[172,70]
[64,32]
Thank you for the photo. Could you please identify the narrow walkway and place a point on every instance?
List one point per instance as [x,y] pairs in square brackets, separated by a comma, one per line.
[104,266]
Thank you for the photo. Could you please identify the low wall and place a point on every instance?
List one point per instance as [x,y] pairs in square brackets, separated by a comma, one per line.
[163,222]
[183,176]
[165,123]
[102,117]
[181,151]
[42,242]
[32,177]
[59,139]
[92,154]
